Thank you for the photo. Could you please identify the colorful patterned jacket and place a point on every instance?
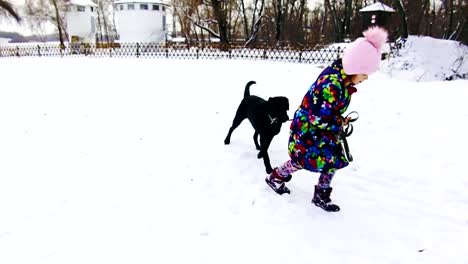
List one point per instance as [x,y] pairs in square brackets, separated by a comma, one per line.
[313,142]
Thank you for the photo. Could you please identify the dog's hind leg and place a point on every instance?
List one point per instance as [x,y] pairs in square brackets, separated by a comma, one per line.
[240,116]
[255,138]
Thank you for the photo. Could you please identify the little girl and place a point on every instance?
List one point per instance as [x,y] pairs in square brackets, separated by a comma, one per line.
[313,141]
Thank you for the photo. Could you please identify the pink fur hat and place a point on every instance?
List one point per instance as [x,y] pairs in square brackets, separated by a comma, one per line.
[363,55]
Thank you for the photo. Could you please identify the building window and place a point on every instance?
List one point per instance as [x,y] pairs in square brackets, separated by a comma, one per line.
[80,8]
[92,9]
[143,7]
[121,7]
[163,8]
[131,7]
[164,23]
[373,18]
[155,7]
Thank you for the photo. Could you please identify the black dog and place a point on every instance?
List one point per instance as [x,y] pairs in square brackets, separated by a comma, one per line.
[266,118]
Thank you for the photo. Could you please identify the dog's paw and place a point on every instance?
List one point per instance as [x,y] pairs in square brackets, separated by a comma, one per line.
[260,155]
[258,147]
[226,142]
[269,170]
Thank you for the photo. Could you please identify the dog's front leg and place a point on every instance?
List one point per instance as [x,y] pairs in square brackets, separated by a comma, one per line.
[265,141]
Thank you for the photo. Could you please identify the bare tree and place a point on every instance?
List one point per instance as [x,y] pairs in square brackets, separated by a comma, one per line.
[219,11]
[194,19]
[279,21]
[347,18]
[334,17]
[59,22]
[324,22]
[106,20]
[449,16]
[40,12]
[252,30]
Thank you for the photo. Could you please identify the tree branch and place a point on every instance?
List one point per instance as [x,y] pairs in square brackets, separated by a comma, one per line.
[197,23]
[10,10]
[255,31]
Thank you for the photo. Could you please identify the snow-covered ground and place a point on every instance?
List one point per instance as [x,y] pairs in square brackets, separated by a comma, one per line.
[123,161]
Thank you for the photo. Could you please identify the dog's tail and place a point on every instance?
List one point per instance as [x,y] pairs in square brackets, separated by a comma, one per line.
[247,88]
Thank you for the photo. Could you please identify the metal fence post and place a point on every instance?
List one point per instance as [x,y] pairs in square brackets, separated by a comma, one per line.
[167,50]
[17,51]
[138,50]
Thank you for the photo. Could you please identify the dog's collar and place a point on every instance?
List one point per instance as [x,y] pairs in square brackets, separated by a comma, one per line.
[273,120]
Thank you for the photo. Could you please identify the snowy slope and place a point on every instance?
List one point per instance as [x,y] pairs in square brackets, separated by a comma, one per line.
[122,161]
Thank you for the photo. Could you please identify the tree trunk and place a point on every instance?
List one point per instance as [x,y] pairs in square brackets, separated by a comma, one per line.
[244,17]
[279,21]
[424,15]
[324,23]
[99,26]
[432,18]
[256,24]
[302,21]
[59,23]
[347,19]
[404,24]
[219,12]
[449,14]
[104,20]
[336,27]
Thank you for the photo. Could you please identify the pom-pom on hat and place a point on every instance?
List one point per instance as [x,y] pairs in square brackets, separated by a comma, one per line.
[363,55]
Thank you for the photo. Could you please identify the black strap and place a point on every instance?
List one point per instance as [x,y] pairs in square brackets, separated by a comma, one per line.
[346,131]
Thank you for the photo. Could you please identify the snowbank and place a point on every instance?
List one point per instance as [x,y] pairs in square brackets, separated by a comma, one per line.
[428,59]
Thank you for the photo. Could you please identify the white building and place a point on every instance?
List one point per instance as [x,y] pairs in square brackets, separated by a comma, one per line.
[141,20]
[81,21]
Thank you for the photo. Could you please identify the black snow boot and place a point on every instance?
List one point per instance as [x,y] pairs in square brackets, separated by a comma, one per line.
[277,182]
[322,199]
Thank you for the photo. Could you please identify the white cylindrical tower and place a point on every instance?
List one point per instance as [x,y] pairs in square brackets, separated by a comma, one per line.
[81,21]
[141,20]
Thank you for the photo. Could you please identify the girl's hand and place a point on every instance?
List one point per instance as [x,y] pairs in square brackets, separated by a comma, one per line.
[346,121]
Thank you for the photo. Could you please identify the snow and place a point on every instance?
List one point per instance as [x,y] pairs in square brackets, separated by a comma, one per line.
[126,164]
[378,6]
[428,59]
[82,2]
[140,1]
[4,41]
